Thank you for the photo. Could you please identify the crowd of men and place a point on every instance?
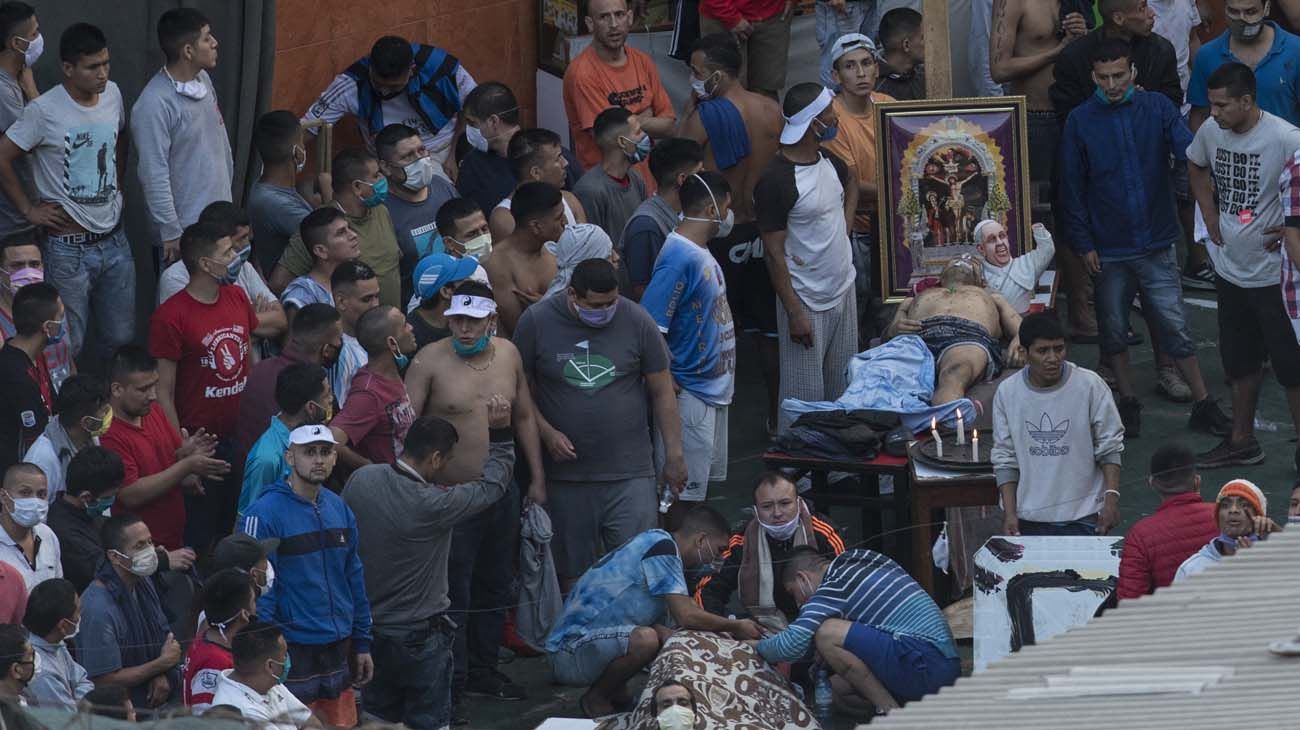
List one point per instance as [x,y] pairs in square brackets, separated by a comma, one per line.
[307,477]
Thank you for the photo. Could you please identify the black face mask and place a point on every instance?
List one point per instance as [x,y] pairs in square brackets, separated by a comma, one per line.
[389,96]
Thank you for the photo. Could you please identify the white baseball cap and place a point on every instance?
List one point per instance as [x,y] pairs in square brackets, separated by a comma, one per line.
[303,435]
[468,305]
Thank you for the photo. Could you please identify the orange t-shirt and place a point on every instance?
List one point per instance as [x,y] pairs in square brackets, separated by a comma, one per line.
[591,86]
[856,145]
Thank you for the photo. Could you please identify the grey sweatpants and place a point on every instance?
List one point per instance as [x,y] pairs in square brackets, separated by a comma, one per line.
[819,372]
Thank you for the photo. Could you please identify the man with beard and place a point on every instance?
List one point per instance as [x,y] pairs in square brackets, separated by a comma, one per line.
[319,597]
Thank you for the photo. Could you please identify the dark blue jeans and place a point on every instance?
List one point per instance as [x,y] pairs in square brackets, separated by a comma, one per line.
[412,683]
[1086,527]
[480,579]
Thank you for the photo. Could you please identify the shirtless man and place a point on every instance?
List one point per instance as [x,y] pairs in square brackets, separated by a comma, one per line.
[520,268]
[454,378]
[963,324]
[750,123]
[535,155]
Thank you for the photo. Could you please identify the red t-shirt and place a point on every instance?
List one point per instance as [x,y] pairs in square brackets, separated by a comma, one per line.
[376,416]
[202,670]
[210,345]
[148,449]
[13,594]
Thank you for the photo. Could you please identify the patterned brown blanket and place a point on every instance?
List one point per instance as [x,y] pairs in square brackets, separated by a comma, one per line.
[734,687]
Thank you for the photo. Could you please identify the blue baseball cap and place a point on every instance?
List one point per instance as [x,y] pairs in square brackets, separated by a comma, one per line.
[438,270]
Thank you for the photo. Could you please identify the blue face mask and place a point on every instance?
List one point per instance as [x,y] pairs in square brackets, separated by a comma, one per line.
[99,506]
[471,350]
[640,150]
[1128,96]
[58,334]
[283,676]
[378,193]
[827,133]
[402,359]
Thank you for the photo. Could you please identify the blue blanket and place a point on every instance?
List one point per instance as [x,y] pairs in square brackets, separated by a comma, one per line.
[727,134]
[897,376]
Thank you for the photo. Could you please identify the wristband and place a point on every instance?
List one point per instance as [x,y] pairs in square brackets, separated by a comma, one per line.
[1111,491]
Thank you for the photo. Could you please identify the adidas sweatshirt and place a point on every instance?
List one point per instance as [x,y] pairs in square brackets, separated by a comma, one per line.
[1053,441]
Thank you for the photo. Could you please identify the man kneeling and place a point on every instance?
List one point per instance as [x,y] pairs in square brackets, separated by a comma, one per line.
[612,624]
[879,632]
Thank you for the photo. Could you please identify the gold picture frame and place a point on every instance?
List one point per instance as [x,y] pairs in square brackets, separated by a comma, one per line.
[944,165]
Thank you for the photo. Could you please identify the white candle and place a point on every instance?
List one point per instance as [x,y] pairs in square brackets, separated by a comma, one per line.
[975,445]
[961,429]
[934,434]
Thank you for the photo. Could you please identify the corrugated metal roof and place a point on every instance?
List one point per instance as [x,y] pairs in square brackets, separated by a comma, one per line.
[1223,618]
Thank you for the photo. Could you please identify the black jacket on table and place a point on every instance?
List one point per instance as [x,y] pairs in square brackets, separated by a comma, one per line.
[714,591]
[1155,58]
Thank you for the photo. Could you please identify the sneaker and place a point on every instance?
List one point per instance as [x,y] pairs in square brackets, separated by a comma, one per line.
[496,685]
[1208,417]
[1170,384]
[1130,414]
[1228,454]
[1202,278]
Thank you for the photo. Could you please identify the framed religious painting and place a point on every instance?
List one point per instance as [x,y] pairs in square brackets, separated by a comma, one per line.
[946,165]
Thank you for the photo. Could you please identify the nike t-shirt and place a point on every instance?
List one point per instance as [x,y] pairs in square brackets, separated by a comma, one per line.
[588,383]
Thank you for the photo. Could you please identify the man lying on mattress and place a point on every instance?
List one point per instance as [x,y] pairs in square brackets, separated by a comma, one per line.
[963,323]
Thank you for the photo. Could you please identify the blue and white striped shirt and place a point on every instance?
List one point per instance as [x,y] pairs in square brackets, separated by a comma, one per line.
[868,588]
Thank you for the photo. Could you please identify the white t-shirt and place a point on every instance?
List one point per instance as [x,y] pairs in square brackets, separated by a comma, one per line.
[339,99]
[278,709]
[807,202]
[44,455]
[352,357]
[74,153]
[177,277]
[49,560]
[1175,20]
[1245,169]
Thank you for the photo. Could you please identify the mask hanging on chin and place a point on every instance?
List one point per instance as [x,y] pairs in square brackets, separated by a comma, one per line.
[471,350]
[193,89]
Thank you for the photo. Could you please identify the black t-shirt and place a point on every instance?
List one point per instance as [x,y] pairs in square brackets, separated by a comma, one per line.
[486,179]
[25,408]
[425,333]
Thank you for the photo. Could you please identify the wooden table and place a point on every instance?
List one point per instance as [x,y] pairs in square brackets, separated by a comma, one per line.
[930,494]
[867,497]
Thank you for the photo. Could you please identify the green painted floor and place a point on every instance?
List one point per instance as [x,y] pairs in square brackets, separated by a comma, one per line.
[1162,421]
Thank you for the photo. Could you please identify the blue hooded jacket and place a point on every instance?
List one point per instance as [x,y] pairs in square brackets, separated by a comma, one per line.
[1116,189]
[319,595]
[432,90]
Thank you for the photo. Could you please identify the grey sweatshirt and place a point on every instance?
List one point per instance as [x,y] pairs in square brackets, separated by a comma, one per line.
[184,152]
[1053,442]
[404,526]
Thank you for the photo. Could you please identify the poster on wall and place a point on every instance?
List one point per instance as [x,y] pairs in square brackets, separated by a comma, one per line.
[944,166]
[1029,589]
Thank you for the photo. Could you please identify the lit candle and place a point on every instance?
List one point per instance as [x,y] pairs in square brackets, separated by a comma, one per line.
[961,429]
[975,445]
[934,434]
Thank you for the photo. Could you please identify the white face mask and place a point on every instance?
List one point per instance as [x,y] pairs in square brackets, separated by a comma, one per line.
[29,511]
[725,225]
[192,89]
[475,137]
[298,166]
[783,531]
[76,629]
[35,47]
[144,563]
[270,577]
[676,718]
[478,246]
[418,174]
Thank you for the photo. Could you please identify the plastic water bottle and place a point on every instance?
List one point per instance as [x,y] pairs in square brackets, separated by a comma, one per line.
[666,500]
[824,700]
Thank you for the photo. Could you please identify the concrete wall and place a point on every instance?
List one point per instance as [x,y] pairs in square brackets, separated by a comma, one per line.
[496,40]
